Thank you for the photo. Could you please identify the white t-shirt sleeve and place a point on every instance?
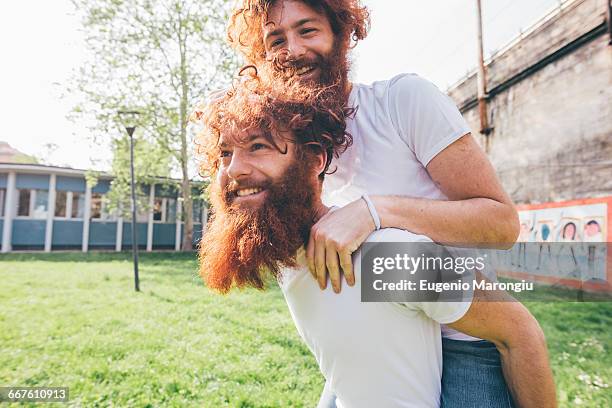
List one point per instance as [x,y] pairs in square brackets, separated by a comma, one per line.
[441,312]
[445,312]
[426,119]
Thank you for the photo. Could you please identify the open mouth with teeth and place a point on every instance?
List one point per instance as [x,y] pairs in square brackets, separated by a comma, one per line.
[245,192]
[305,70]
[247,196]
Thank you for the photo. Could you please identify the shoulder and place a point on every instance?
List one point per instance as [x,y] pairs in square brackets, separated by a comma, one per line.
[404,81]
[410,80]
[411,86]
[404,97]
[403,94]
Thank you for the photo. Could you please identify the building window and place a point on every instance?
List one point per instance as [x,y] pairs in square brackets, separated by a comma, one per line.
[78,205]
[2,201]
[41,203]
[197,211]
[157,209]
[32,203]
[96,206]
[23,203]
[164,210]
[170,210]
[60,204]
[70,205]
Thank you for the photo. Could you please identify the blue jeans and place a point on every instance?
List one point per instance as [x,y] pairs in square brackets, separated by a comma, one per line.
[471,377]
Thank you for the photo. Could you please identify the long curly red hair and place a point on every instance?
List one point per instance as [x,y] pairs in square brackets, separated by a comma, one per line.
[349,20]
[315,118]
[231,251]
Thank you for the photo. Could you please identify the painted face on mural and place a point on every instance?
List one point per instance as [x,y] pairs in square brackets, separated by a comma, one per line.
[592,229]
[569,231]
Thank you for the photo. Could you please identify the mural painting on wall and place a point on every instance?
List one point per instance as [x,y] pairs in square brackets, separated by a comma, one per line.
[564,242]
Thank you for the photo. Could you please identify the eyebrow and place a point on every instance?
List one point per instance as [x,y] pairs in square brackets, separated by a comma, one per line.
[245,141]
[299,23]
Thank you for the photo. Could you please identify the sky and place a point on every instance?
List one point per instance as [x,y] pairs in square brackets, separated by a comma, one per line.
[41,46]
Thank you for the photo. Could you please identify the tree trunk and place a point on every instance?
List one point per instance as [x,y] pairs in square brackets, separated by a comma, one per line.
[188,210]
[187,201]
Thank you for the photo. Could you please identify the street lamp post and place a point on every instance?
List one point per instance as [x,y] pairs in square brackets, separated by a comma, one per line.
[129,119]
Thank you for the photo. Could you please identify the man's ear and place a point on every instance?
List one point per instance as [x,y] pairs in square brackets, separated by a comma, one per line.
[320,161]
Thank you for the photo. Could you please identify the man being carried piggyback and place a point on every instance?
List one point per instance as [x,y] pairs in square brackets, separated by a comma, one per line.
[269,150]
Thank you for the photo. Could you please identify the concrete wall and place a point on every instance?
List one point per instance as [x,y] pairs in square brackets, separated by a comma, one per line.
[550,108]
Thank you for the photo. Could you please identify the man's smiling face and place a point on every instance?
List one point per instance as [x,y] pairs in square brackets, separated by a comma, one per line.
[267,150]
[263,202]
[302,38]
[250,164]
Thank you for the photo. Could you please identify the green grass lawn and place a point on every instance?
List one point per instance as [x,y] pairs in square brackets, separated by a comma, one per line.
[74,320]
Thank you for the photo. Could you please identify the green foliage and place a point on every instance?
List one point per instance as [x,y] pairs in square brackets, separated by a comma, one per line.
[159,57]
[92,177]
[150,161]
[25,159]
[142,55]
[74,320]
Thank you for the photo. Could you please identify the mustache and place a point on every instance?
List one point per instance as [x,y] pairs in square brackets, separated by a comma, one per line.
[283,62]
[230,191]
[333,68]
[244,247]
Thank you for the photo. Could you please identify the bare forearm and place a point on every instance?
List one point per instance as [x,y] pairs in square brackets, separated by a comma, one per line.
[528,374]
[496,317]
[471,221]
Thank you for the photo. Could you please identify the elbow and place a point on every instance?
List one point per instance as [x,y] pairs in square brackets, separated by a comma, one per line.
[541,339]
[536,336]
[531,345]
[508,228]
[527,335]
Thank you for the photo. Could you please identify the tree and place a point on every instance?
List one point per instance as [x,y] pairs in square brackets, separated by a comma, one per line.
[149,160]
[158,57]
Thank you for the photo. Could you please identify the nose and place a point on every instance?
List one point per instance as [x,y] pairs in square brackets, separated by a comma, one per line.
[239,166]
[295,48]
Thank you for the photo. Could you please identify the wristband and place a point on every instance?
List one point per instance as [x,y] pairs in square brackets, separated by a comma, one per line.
[372,210]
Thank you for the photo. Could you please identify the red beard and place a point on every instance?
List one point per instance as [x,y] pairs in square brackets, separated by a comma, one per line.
[243,247]
[334,69]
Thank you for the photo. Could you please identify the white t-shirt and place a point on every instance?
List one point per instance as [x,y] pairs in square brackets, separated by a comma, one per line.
[400,125]
[371,354]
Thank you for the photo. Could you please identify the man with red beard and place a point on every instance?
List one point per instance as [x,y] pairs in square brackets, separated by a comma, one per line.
[269,156]
[414,165]
[262,216]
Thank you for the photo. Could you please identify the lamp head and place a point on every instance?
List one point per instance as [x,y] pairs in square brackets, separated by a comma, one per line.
[129,119]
